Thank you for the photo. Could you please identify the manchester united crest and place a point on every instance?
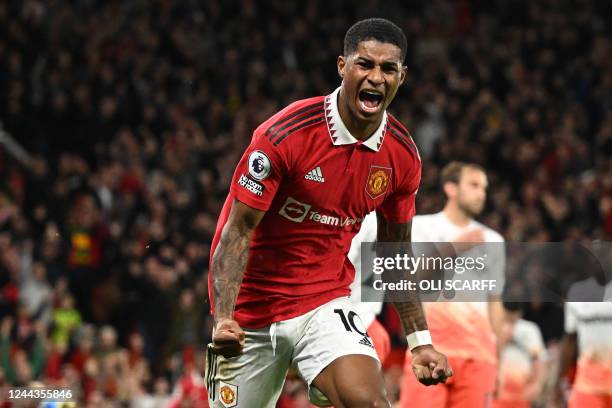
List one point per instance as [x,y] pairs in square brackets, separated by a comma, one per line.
[378,181]
[228,394]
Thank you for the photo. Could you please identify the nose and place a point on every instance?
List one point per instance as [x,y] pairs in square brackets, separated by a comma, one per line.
[375,76]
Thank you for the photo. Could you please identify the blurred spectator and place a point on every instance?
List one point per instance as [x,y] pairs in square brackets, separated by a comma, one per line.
[188,323]
[55,360]
[87,241]
[22,354]
[66,319]
[36,291]
[159,398]
[83,351]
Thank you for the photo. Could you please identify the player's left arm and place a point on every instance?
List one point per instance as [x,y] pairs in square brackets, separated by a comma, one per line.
[429,366]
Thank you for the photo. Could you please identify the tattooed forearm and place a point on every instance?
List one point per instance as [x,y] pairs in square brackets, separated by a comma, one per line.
[228,265]
[411,314]
[409,309]
[229,262]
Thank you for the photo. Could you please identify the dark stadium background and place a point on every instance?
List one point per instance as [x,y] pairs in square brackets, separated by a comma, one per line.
[123,121]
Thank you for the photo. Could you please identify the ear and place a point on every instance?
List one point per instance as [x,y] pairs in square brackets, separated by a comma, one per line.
[341,66]
[403,74]
[450,189]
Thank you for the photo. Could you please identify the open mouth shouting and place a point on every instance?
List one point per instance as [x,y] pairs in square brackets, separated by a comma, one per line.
[370,100]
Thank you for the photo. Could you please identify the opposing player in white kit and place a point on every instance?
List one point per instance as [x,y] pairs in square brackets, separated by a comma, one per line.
[588,338]
[465,331]
[522,371]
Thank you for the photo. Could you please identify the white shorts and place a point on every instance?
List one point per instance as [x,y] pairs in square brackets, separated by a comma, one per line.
[309,343]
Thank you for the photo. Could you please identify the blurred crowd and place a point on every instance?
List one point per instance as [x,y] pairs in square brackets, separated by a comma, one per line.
[134,114]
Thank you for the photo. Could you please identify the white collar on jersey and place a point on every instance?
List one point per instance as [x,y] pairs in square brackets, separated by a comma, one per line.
[339,133]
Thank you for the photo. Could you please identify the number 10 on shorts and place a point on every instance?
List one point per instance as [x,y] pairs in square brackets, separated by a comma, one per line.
[349,323]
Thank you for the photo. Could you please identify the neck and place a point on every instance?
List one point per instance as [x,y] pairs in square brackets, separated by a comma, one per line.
[456,215]
[360,129]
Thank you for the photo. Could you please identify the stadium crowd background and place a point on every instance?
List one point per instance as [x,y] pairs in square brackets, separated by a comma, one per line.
[134,114]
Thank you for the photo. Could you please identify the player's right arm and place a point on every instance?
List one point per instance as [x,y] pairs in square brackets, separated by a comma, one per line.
[254,185]
[228,264]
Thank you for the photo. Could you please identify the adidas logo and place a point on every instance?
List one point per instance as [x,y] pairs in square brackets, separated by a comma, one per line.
[315,175]
[366,342]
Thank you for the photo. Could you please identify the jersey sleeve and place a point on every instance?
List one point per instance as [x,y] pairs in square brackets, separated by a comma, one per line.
[259,173]
[400,206]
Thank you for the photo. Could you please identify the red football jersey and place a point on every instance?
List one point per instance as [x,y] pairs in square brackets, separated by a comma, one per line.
[316,183]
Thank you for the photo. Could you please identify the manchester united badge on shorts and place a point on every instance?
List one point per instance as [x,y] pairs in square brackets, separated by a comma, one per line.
[378,180]
[228,394]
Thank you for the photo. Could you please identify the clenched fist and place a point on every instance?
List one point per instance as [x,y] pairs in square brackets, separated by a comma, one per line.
[429,366]
[228,338]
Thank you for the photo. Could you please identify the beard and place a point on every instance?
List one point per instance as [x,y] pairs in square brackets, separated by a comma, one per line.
[473,210]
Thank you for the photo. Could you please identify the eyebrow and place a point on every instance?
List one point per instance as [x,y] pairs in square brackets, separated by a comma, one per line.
[385,63]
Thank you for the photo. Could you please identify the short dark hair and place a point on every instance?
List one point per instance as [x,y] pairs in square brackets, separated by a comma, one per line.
[515,306]
[378,29]
[451,173]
